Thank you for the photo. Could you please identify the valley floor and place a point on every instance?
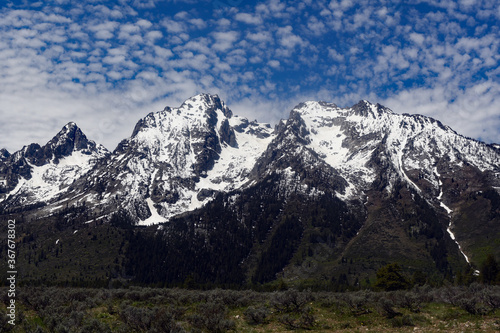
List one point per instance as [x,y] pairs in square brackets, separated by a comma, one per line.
[450,309]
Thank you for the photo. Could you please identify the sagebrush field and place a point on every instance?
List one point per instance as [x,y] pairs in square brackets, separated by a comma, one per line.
[422,309]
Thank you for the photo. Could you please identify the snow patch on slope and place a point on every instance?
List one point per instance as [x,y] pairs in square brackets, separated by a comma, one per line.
[50,180]
[232,168]
[155,217]
[326,124]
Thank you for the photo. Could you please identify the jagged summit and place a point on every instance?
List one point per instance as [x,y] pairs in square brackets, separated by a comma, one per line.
[207,103]
[366,109]
[348,139]
[181,156]
[198,109]
[4,154]
[189,136]
[71,139]
[363,108]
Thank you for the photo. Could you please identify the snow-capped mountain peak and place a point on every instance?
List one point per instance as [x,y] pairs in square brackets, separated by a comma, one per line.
[188,137]
[71,139]
[354,141]
[178,158]
[37,174]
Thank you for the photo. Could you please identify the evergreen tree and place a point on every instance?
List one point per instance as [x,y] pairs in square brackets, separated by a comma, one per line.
[389,278]
[490,271]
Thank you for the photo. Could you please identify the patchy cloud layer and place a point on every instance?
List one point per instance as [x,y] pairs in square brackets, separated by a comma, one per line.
[105,64]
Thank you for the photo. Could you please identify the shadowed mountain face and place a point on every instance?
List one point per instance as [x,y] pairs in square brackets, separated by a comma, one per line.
[330,194]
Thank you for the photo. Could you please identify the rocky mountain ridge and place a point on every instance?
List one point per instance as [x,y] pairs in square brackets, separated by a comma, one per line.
[360,182]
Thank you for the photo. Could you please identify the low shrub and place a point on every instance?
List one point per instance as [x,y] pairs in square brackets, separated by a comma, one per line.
[291,301]
[402,321]
[93,325]
[358,302]
[409,300]
[212,317]
[256,316]
[473,304]
[303,320]
[386,308]
[137,318]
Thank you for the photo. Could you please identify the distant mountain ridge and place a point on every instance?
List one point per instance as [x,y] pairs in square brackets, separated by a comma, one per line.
[379,186]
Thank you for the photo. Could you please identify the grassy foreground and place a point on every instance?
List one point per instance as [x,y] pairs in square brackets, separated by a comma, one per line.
[450,309]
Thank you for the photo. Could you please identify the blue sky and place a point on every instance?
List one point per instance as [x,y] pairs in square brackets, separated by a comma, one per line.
[106,64]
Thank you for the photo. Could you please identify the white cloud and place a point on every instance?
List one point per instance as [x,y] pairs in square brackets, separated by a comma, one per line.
[54,18]
[154,35]
[162,52]
[127,29]
[260,37]
[273,8]
[255,60]
[145,3]
[223,22]
[145,24]
[288,39]
[200,45]
[248,18]
[237,57]
[173,26]
[417,38]
[198,23]
[188,60]
[104,30]
[274,63]
[316,26]
[114,60]
[336,56]
[224,40]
